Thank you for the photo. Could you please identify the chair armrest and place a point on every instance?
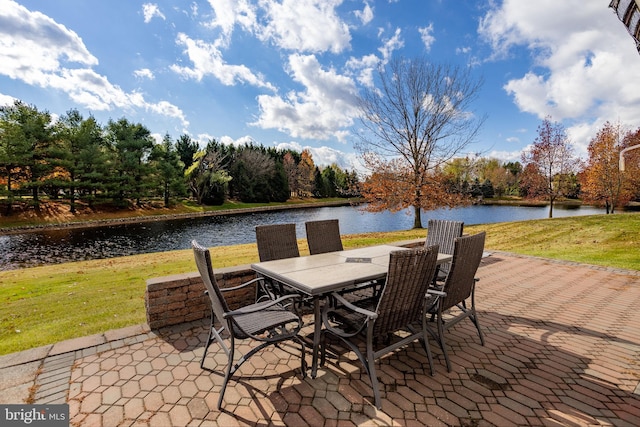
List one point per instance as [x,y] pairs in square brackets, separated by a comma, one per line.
[254,308]
[235,288]
[368,316]
[347,304]
[436,292]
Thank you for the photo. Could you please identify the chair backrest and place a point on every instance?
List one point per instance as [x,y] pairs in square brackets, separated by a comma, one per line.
[203,261]
[467,255]
[403,297]
[323,236]
[443,233]
[277,241]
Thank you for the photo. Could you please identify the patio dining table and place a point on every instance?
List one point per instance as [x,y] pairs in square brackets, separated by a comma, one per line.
[319,275]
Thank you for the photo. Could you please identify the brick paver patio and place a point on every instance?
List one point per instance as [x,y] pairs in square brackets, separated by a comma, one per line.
[562,348]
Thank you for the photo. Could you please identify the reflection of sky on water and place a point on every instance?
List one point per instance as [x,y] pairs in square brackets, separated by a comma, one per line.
[64,245]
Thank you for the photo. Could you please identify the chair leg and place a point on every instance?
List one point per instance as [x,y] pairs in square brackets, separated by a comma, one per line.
[443,346]
[228,372]
[209,340]
[214,335]
[426,346]
[303,360]
[474,319]
[474,315]
[371,368]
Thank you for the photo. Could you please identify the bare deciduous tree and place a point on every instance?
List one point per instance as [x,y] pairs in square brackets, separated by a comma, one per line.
[416,119]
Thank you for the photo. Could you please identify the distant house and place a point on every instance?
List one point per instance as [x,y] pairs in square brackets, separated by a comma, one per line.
[628,12]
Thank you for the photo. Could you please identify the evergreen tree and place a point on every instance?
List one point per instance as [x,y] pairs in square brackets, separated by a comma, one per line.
[83,156]
[27,137]
[169,169]
[131,145]
[186,148]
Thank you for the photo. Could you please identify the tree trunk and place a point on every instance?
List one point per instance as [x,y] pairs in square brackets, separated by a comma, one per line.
[72,195]
[551,209]
[166,194]
[417,220]
[9,193]
[34,195]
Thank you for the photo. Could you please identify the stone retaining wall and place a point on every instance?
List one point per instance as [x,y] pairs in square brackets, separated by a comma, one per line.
[180,298]
[171,300]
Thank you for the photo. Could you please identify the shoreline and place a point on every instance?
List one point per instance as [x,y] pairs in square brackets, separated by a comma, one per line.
[4,231]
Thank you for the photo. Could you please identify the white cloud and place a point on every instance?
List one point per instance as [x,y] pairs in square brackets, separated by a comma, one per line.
[151,10]
[207,60]
[33,45]
[229,13]
[323,110]
[390,45]
[165,108]
[324,156]
[580,53]
[144,73]
[6,99]
[505,156]
[243,140]
[203,139]
[40,52]
[426,34]
[365,15]
[364,68]
[305,25]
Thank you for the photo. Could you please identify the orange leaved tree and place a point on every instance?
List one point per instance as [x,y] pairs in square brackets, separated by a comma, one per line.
[416,118]
[602,181]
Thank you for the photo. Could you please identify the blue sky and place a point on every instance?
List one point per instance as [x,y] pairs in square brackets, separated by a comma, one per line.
[286,73]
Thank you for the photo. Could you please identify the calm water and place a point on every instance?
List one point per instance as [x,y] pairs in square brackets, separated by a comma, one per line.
[58,246]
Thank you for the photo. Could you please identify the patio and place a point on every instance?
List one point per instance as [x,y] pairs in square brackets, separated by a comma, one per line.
[562,348]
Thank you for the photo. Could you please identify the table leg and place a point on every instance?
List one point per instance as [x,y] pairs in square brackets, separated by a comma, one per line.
[317,330]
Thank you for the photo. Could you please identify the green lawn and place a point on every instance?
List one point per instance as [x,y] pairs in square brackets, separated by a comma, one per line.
[43,305]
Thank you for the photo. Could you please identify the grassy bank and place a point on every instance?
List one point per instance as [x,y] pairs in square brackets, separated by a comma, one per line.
[43,305]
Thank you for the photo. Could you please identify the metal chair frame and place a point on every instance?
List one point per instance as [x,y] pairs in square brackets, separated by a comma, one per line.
[401,307]
[268,322]
[458,288]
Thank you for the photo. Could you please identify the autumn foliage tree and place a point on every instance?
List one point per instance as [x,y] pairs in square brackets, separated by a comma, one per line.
[602,181]
[549,165]
[306,174]
[415,120]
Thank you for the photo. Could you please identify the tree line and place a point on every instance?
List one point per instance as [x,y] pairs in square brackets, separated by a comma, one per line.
[417,123]
[549,170]
[78,159]
[121,163]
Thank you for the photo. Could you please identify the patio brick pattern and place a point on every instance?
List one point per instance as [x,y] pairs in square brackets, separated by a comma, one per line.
[562,348]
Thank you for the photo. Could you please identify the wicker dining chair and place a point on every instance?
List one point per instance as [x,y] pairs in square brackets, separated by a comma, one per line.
[443,233]
[455,301]
[268,322]
[401,307]
[277,241]
[323,236]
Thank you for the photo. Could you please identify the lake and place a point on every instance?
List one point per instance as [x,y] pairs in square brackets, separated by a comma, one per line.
[41,247]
